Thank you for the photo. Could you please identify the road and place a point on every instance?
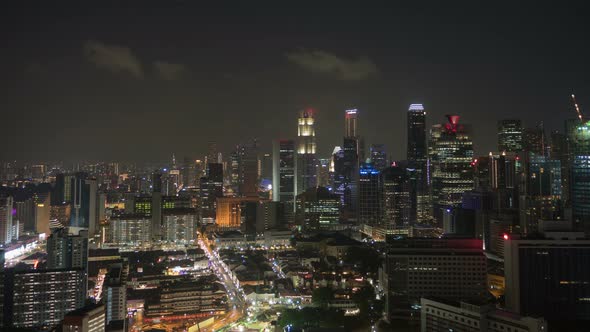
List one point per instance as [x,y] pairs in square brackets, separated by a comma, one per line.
[235,296]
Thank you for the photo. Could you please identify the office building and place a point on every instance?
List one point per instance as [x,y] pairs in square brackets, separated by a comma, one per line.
[41,298]
[370,186]
[306,152]
[180,225]
[417,156]
[284,176]
[115,293]
[83,198]
[548,271]
[130,230]
[347,168]
[510,136]
[395,201]
[90,318]
[418,267]
[451,155]
[444,316]
[229,211]
[318,209]
[579,139]
[67,251]
[379,156]
[211,188]
[350,123]
[6,222]
[533,140]
[248,174]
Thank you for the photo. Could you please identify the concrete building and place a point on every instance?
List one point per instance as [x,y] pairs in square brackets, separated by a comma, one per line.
[422,267]
[41,298]
[129,230]
[546,272]
[88,319]
[445,316]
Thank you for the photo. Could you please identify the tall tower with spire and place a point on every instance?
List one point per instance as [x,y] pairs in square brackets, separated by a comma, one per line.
[306,150]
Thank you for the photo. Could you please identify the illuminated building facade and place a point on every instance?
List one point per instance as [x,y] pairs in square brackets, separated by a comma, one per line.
[180,225]
[229,211]
[509,135]
[369,209]
[306,152]
[284,176]
[6,220]
[395,199]
[211,188]
[379,156]
[417,156]
[579,138]
[130,230]
[318,209]
[67,251]
[83,211]
[41,298]
[451,155]
[350,123]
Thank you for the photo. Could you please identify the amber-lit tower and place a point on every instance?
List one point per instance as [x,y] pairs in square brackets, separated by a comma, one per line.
[306,149]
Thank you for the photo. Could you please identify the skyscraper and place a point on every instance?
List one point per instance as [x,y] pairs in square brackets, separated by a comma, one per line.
[5,220]
[211,188]
[67,251]
[350,123]
[248,169]
[379,156]
[395,200]
[284,179]
[417,156]
[451,154]
[306,150]
[533,140]
[579,138]
[509,135]
[369,209]
[83,213]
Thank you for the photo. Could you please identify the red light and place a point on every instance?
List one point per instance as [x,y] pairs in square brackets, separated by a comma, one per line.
[506,237]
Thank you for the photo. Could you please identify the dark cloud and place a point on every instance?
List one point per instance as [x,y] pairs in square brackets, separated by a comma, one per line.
[323,62]
[170,71]
[114,58]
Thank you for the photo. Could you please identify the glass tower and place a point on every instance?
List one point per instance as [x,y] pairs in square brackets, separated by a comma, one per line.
[509,135]
[306,150]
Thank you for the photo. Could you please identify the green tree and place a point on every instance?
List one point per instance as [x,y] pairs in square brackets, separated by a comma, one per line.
[321,296]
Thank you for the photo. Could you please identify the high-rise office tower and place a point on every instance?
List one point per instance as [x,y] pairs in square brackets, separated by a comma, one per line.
[349,168]
[212,153]
[318,209]
[324,172]
[509,135]
[379,156]
[67,251]
[41,298]
[6,220]
[395,200]
[533,140]
[417,156]
[266,167]
[548,275]
[248,169]
[211,189]
[451,154]
[369,209]
[83,212]
[284,179]
[306,151]
[156,206]
[579,139]
[350,123]
[416,133]
[540,191]
[57,195]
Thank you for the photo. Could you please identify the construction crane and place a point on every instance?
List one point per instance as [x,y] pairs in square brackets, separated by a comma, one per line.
[577,107]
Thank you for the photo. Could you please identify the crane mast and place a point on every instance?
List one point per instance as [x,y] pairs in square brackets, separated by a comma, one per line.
[577,107]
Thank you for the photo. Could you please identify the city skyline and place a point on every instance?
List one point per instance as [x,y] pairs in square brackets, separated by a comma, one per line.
[172,80]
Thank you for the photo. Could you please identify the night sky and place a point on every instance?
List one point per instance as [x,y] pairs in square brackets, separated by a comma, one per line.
[139,83]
